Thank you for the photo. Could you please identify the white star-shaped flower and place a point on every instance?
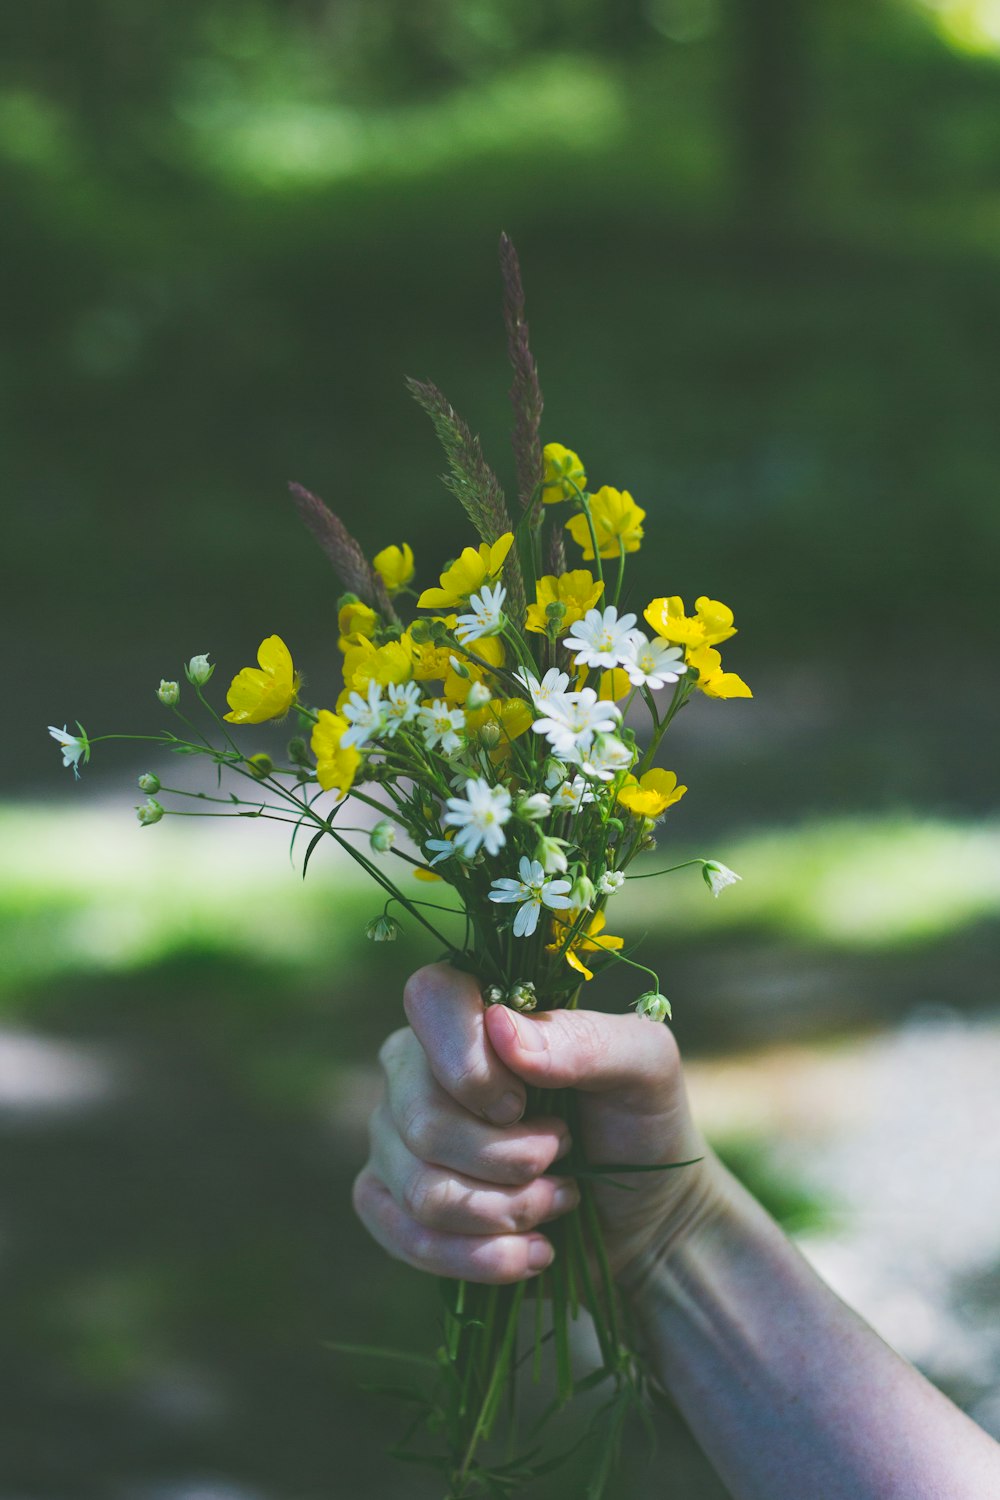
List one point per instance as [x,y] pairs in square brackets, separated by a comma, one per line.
[74,747]
[366,716]
[442,725]
[574,718]
[600,639]
[652,664]
[534,892]
[552,686]
[479,817]
[403,706]
[486,617]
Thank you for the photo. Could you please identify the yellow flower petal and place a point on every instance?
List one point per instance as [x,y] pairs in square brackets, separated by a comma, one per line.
[336,764]
[356,622]
[564,474]
[256,695]
[466,576]
[616,519]
[652,794]
[578,591]
[394,565]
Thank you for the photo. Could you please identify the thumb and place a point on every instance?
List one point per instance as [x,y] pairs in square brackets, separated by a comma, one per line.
[584,1049]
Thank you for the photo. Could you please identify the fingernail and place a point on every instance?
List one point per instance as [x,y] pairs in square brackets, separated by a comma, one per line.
[540,1255]
[565,1146]
[565,1197]
[506,1110]
[529,1033]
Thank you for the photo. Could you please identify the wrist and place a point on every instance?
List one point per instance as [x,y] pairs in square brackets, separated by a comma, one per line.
[692,1214]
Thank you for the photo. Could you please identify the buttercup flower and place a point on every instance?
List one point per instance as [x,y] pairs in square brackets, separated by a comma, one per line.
[600,639]
[652,794]
[265,692]
[394,565]
[563,474]
[534,892]
[576,591]
[711,622]
[486,617]
[479,817]
[590,939]
[617,519]
[712,680]
[355,621]
[74,747]
[466,577]
[336,762]
[717,876]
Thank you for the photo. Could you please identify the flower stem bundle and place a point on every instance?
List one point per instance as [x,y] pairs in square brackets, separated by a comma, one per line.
[496,736]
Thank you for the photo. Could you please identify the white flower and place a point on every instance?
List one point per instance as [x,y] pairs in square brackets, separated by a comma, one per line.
[550,853]
[718,876]
[600,639]
[487,617]
[653,1005]
[382,929]
[366,716]
[555,773]
[443,849]
[168,692]
[403,706]
[74,747]
[606,757]
[534,892]
[478,697]
[535,807]
[198,670]
[442,726]
[610,881]
[572,795]
[552,686]
[573,720]
[479,817]
[652,663]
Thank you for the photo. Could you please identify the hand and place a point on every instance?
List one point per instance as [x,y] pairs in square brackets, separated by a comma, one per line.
[458,1182]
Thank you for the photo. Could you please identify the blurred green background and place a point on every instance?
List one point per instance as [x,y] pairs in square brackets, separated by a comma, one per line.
[760,243]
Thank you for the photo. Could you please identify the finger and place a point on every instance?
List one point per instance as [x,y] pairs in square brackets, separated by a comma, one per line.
[442,1133]
[587,1050]
[496,1259]
[456,1204]
[445,1009]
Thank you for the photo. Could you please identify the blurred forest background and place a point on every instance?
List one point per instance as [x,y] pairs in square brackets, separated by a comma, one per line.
[761,244]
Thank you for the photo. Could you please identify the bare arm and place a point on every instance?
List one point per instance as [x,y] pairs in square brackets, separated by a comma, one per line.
[789,1393]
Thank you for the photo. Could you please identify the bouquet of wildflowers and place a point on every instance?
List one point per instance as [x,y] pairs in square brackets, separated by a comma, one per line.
[486,724]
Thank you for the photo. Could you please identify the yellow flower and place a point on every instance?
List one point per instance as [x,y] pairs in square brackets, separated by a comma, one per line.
[590,939]
[712,681]
[513,718]
[563,474]
[614,685]
[394,566]
[711,622]
[267,692]
[422,872]
[616,518]
[365,663]
[465,577]
[430,662]
[490,649]
[356,621]
[336,764]
[652,794]
[576,590]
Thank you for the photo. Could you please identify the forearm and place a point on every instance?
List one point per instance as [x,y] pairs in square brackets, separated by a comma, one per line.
[789,1392]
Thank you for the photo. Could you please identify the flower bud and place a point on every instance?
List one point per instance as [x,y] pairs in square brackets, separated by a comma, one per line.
[298,751]
[458,667]
[261,765]
[168,692]
[149,812]
[149,783]
[718,876]
[421,632]
[383,836]
[489,736]
[584,893]
[538,805]
[383,929]
[493,994]
[653,1006]
[479,696]
[551,856]
[522,996]
[198,670]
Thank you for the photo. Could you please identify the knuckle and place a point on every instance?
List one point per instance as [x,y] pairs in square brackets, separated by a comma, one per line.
[470,1080]
[391,1049]
[588,1042]
[501,1259]
[426,1198]
[420,987]
[524,1211]
[417,1129]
